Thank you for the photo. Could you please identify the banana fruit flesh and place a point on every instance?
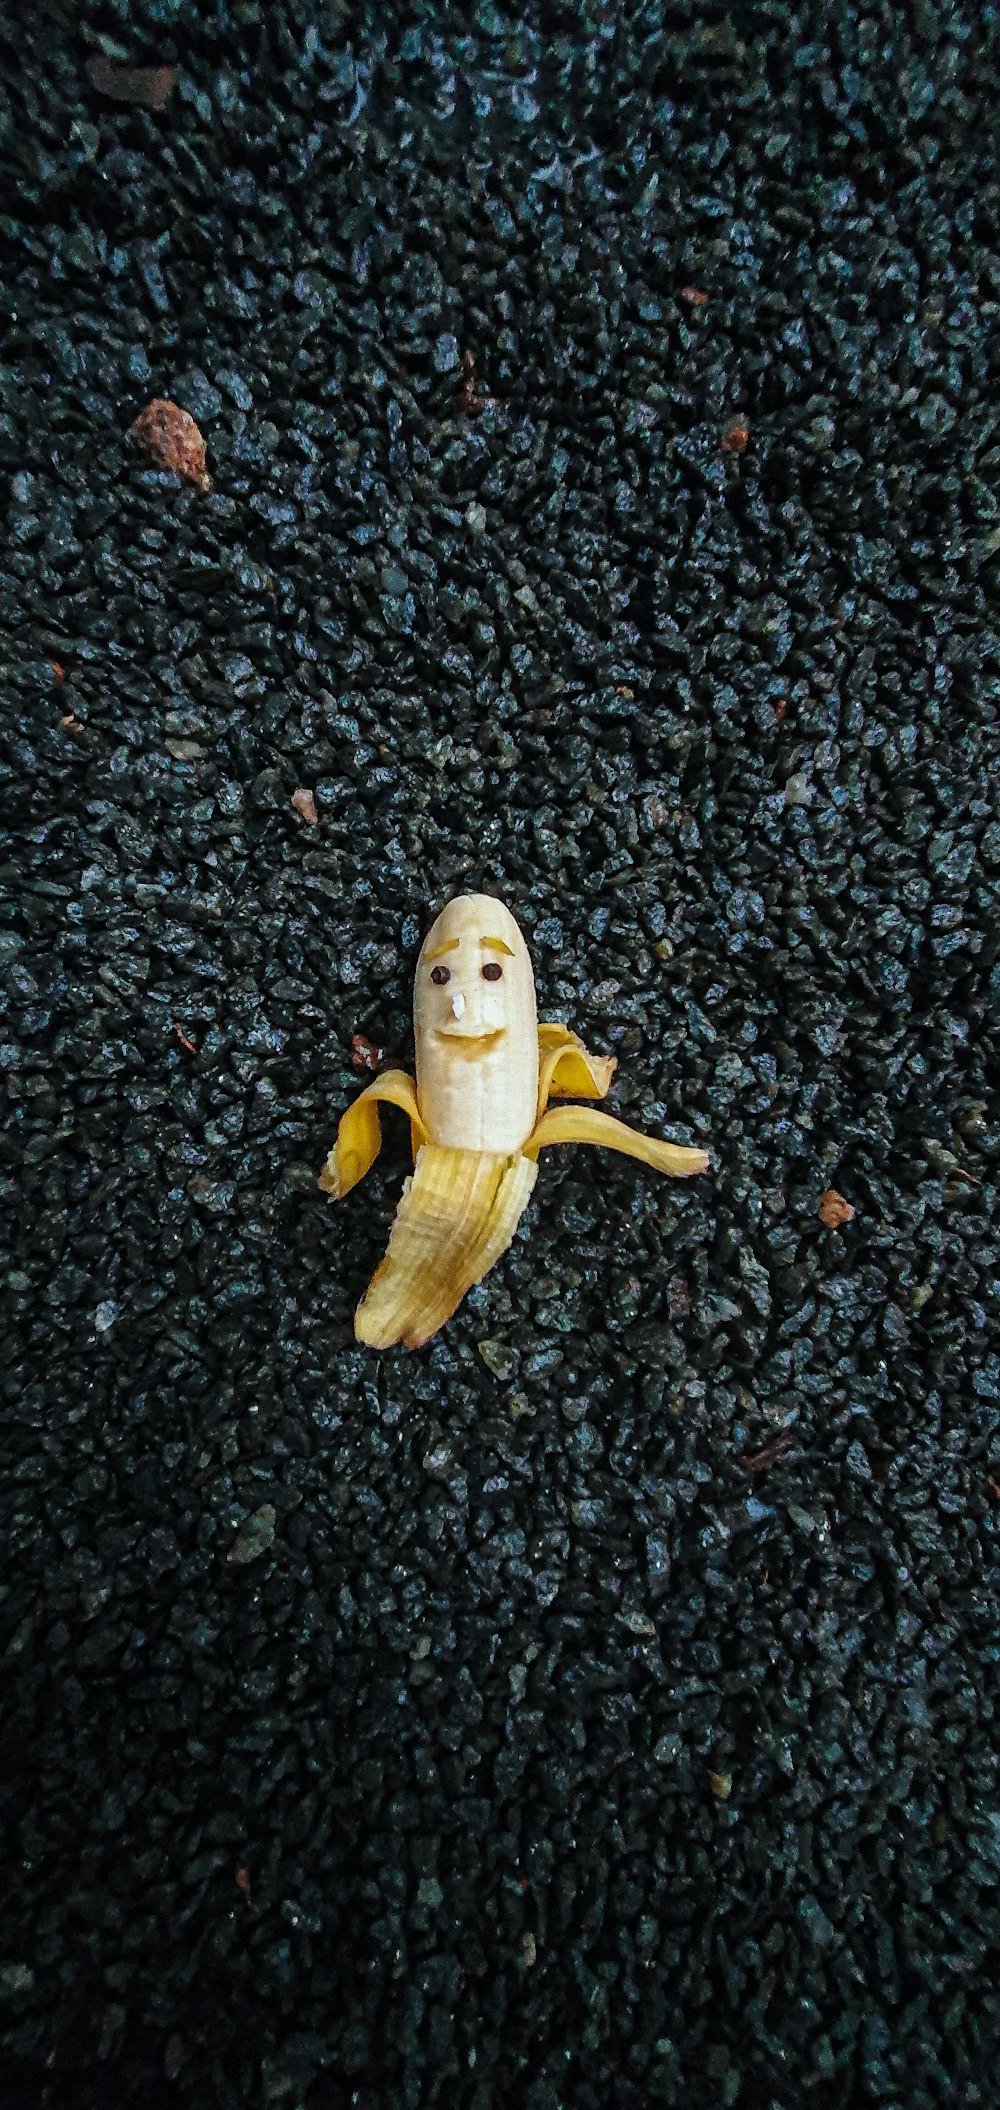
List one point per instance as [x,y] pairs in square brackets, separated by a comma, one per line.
[479,1111]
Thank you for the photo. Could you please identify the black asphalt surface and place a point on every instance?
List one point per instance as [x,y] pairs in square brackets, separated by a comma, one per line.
[598,1708]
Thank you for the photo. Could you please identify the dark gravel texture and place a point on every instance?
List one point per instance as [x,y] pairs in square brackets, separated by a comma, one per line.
[598,1708]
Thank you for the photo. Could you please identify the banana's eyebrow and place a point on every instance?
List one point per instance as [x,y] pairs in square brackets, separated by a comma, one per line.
[489,944]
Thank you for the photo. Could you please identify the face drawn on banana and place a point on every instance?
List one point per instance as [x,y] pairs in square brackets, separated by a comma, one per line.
[476,1029]
[480,1111]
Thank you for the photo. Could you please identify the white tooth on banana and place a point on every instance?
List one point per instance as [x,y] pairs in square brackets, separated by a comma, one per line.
[479,1115]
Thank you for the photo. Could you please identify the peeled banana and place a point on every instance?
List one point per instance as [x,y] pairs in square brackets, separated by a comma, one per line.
[479,1114]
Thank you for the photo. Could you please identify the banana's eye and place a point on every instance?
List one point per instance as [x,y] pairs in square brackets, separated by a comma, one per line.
[440,975]
[492,972]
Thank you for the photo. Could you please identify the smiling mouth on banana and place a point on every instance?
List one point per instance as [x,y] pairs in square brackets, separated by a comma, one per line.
[473,1036]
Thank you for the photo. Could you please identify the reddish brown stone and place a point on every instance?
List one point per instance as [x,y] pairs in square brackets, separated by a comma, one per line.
[833,1210]
[148,85]
[734,441]
[170,436]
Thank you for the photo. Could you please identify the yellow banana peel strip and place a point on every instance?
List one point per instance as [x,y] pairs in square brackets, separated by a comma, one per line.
[586,1124]
[457,1214]
[359,1136]
[567,1070]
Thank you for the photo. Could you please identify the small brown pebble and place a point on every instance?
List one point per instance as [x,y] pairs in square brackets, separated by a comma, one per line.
[735,439]
[364,1054]
[758,1461]
[58,673]
[833,1210]
[184,1041]
[694,296]
[658,811]
[243,1883]
[780,706]
[305,804]
[994,1486]
[721,1785]
[470,399]
[678,1297]
[149,85]
[70,723]
[170,435]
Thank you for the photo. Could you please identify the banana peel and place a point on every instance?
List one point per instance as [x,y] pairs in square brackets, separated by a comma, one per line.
[457,1215]
[480,1112]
